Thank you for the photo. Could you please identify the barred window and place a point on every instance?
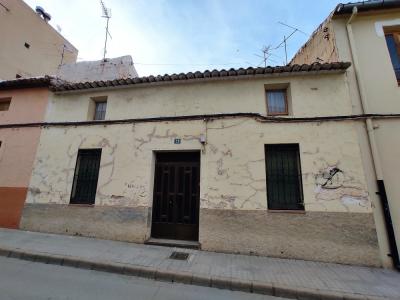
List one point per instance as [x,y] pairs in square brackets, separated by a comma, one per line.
[86,175]
[283,172]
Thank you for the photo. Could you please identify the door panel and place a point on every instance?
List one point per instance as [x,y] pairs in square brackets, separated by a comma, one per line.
[176,196]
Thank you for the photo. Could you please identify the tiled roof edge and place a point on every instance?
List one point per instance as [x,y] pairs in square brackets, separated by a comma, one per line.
[62,86]
[347,8]
[42,81]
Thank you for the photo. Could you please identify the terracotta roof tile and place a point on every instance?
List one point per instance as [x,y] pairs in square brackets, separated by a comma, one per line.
[58,85]
[206,75]
[43,81]
[343,9]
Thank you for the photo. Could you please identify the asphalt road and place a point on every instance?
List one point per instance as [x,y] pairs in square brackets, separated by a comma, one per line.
[29,280]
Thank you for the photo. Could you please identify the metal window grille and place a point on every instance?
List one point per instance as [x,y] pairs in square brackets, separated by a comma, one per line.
[86,175]
[100,110]
[284,183]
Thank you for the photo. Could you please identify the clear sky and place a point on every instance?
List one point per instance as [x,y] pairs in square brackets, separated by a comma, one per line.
[168,36]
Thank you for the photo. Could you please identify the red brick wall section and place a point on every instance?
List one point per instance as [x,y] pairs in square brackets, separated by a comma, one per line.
[12,201]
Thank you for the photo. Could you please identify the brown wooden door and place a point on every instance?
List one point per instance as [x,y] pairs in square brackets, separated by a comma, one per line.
[176,196]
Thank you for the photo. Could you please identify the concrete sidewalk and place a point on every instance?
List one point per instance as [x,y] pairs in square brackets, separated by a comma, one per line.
[272,276]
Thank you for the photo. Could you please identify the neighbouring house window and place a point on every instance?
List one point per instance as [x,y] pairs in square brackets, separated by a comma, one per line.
[393,44]
[5,104]
[100,110]
[85,177]
[276,102]
[283,172]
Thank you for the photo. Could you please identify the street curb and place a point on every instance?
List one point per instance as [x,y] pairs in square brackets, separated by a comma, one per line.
[228,283]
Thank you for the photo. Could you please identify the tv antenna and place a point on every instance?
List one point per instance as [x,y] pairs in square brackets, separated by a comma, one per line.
[266,51]
[107,15]
[285,38]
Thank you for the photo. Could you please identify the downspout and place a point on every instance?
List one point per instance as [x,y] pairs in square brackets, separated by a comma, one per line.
[373,147]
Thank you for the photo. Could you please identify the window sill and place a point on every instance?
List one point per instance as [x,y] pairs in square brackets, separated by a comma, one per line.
[278,115]
[80,205]
[288,211]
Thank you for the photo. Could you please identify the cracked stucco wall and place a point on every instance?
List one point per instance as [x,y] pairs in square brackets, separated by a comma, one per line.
[232,163]
[311,95]
[233,195]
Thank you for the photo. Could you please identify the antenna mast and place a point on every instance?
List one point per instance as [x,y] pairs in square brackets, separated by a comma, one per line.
[284,42]
[107,15]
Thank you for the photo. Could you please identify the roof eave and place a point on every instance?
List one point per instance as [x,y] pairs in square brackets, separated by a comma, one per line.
[84,87]
[368,6]
[26,83]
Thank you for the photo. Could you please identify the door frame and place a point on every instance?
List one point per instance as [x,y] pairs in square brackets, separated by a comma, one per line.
[152,186]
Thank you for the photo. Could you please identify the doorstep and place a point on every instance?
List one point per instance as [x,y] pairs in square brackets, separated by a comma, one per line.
[173,243]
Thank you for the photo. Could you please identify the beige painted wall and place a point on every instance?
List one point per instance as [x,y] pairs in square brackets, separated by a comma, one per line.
[233,172]
[232,166]
[233,190]
[383,96]
[314,95]
[21,24]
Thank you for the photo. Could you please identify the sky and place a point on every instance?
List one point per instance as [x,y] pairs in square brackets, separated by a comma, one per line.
[173,36]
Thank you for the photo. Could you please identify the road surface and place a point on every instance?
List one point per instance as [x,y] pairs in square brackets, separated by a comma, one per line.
[21,279]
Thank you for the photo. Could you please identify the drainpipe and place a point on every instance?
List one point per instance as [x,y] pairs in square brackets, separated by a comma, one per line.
[373,147]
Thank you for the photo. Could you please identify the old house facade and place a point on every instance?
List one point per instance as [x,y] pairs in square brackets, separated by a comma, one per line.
[21,101]
[264,161]
[367,34]
[30,46]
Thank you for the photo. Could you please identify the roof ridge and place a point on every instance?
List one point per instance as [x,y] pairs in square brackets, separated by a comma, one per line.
[207,74]
[57,84]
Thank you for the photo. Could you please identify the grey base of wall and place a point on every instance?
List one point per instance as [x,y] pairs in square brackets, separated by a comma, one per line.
[348,238]
[105,222]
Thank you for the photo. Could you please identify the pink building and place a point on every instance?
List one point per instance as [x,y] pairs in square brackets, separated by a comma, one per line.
[21,101]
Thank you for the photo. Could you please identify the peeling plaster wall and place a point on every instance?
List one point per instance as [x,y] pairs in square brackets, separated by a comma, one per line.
[108,69]
[232,167]
[232,184]
[232,180]
[319,48]
[312,95]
